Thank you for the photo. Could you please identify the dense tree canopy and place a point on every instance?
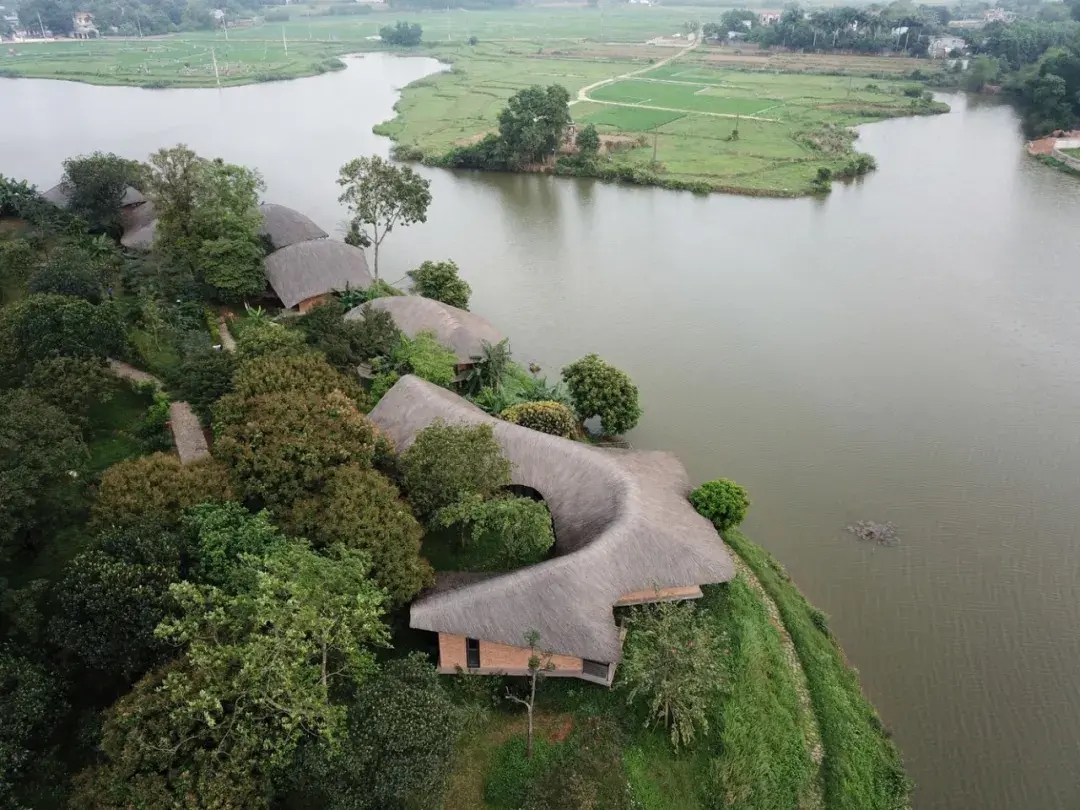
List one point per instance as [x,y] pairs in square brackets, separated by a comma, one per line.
[42,467]
[506,532]
[69,271]
[598,389]
[401,33]
[96,184]
[533,123]
[448,463]
[362,509]
[441,281]
[72,384]
[347,343]
[308,373]
[260,336]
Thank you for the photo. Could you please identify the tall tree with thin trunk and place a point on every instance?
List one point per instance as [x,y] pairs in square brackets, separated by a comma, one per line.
[381,195]
[539,663]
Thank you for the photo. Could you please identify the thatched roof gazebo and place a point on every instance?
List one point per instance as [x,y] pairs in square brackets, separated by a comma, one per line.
[460,330]
[59,196]
[284,226]
[625,533]
[304,273]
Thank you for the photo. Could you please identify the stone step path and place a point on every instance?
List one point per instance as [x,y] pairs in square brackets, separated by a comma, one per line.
[188,436]
[227,341]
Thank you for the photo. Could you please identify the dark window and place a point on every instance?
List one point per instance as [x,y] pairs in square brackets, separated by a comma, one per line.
[597,669]
[472,653]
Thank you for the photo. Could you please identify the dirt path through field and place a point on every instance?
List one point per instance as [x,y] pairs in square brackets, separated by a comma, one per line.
[583,93]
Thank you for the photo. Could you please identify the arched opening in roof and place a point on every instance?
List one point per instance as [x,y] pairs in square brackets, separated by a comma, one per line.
[523,491]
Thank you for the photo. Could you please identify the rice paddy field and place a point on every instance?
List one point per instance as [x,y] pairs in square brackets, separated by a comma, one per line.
[683,104]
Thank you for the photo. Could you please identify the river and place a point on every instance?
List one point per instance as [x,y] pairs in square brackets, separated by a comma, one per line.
[907,349]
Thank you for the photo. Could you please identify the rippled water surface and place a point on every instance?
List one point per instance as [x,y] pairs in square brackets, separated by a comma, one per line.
[906,350]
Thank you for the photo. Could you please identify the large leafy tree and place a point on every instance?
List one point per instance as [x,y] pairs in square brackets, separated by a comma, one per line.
[533,123]
[284,445]
[448,463]
[362,509]
[69,271]
[42,326]
[263,666]
[155,490]
[673,662]
[96,184]
[31,704]
[308,373]
[57,16]
[208,220]
[72,384]
[397,750]
[401,33]
[380,196]
[346,343]
[204,376]
[42,466]
[441,282]
[599,389]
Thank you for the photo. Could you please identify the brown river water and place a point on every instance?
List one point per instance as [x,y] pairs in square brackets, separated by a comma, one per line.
[907,349]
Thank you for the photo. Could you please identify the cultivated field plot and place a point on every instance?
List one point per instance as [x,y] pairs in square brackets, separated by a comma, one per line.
[750,58]
[687,97]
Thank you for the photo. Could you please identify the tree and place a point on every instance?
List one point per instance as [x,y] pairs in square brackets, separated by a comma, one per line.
[224,535]
[96,184]
[17,260]
[283,446]
[441,282]
[307,373]
[41,326]
[56,15]
[154,491]
[588,140]
[425,357]
[722,501]
[362,509]
[513,532]
[43,461]
[72,384]
[31,703]
[397,750]
[552,418]
[346,343]
[261,672]
[106,612]
[68,271]
[260,336]
[598,389]
[208,220]
[533,123]
[447,463]
[401,33]
[673,661]
[538,664]
[203,377]
[381,195]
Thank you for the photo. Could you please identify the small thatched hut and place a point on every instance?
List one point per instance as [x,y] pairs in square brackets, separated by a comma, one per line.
[284,226]
[625,534]
[303,274]
[460,330]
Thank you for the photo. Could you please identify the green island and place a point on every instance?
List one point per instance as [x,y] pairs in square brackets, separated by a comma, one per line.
[248,491]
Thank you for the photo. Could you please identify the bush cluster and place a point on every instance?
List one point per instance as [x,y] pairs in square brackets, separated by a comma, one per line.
[722,501]
[552,418]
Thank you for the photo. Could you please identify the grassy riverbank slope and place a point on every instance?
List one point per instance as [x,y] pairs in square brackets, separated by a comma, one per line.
[791,728]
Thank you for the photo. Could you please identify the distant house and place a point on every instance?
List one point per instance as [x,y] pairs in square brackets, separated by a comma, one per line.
[625,534]
[940,47]
[459,330]
[83,26]
[768,17]
[998,15]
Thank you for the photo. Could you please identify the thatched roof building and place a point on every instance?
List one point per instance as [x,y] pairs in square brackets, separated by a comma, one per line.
[460,330]
[285,226]
[304,273]
[140,224]
[61,197]
[623,527]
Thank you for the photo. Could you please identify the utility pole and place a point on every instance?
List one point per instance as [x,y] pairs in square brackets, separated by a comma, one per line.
[139,24]
[225,25]
[285,41]
[41,25]
[655,138]
[217,77]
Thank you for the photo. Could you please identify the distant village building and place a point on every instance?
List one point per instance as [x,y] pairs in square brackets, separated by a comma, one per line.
[84,26]
[940,47]
[999,15]
[768,17]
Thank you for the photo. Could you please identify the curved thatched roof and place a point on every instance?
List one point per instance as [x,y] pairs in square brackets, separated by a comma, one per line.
[622,524]
[457,329]
[317,267]
[141,238]
[60,197]
[284,226]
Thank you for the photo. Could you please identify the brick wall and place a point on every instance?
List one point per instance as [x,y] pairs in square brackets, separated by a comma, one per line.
[659,595]
[497,657]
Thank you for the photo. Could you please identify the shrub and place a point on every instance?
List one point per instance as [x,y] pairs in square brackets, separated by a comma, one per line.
[152,429]
[282,446]
[17,259]
[307,373]
[507,532]
[547,417]
[360,508]
[447,463]
[68,272]
[72,384]
[382,383]
[203,377]
[598,389]
[588,140]
[259,336]
[347,343]
[673,662]
[722,501]
[440,281]
[154,491]
[512,775]
[425,357]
